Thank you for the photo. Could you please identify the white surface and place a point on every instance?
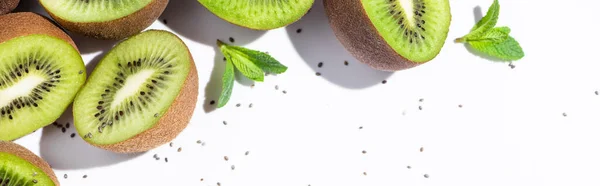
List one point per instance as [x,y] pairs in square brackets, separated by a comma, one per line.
[510,131]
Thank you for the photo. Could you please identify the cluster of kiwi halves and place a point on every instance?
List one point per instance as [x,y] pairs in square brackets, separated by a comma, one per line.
[140,95]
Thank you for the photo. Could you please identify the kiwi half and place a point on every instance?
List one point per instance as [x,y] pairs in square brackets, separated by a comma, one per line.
[21,167]
[259,14]
[7,6]
[105,19]
[40,73]
[142,94]
[390,35]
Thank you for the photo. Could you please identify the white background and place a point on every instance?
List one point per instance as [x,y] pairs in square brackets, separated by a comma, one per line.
[510,130]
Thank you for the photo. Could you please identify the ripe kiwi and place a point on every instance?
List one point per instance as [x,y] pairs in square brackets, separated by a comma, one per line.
[19,166]
[141,95]
[259,14]
[7,6]
[40,73]
[105,19]
[390,35]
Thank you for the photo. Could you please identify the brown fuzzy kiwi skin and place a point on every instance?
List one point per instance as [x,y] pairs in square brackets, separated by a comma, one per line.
[355,31]
[170,125]
[25,154]
[7,6]
[119,28]
[26,23]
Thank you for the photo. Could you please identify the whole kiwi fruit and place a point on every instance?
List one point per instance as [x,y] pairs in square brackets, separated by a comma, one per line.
[19,166]
[7,6]
[41,71]
[390,35]
[111,20]
[142,94]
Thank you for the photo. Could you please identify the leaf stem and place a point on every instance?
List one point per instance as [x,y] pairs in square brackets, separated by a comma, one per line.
[459,40]
[220,43]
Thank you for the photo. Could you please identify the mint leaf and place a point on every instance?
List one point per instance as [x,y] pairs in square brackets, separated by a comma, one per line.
[242,62]
[498,34]
[227,87]
[487,22]
[509,49]
[262,60]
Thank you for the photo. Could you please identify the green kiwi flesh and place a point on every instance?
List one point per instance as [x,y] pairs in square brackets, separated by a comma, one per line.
[15,171]
[39,77]
[259,14]
[415,29]
[93,10]
[131,88]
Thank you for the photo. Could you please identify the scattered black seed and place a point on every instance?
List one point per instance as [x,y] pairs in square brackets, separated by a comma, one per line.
[224,59]
[299,30]
[285,92]
[426,175]
[165,21]
[346,63]
[85,176]
[218,184]
[166,160]
[247,152]
[420,107]
[596,92]
[250,106]
[361,127]
[68,125]
[364,151]
[72,135]
[421,149]
[460,106]
[238,105]
[408,167]
[64,130]
[511,65]
[231,39]
[232,167]
[199,141]
[276,87]
[171,144]
[318,74]
[421,100]
[212,102]
[155,156]
[226,158]
[365,173]
[66,176]
[564,114]
[320,64]
[179,149]
[384,82]
[201,179]
[224,122]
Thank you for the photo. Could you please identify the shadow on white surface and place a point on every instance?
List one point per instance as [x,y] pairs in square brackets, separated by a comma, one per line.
[316,43]
[65,153]
[191,20]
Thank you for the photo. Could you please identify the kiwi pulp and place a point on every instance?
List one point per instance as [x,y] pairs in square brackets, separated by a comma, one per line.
[40,73]
[259,14]
[141,94]
[105,19]
[390,35]
[21,167]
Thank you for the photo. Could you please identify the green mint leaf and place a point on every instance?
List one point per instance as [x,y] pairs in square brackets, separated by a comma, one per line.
[227,88]
[509,49]
[262,60]
[485,24]
[498,34]
[242,62]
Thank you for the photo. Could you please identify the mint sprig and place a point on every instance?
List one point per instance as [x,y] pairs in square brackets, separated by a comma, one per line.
[494,41]
[251,63]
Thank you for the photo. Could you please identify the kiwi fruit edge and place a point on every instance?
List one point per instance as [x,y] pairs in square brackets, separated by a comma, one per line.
[114,29]
[24,154]
[263,22]
[27,25]
[7,6]
[354,29]
[174,120]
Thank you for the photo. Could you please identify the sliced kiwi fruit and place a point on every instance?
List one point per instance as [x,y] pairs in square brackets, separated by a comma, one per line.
[40,73]
[142,94]
[21,167]
[7,6]
[105,19]
[259,14]
[390,35]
